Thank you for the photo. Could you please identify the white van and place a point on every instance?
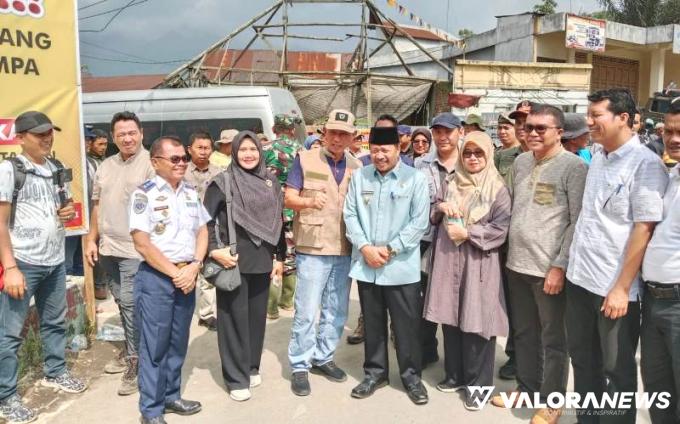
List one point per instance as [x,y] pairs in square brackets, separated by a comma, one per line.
[182,111]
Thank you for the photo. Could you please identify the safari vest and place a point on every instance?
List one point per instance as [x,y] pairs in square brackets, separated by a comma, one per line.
[322,232]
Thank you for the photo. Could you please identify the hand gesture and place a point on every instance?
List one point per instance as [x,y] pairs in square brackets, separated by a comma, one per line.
[15,284]
[554,281]
[91,252]
[66,213]
[224,257]
[615,305]
[448,209]
[318,201]
[185,280]
[375,257]
[277,270]
[457,233]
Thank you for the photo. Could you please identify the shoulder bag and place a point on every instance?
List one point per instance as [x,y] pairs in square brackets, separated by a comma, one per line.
[225,279]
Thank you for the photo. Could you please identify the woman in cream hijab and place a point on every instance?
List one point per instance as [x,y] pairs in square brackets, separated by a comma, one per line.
[465,293]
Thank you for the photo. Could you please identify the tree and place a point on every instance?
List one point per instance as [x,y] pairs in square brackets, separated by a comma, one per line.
[547,7]
[644,13]
[465,33]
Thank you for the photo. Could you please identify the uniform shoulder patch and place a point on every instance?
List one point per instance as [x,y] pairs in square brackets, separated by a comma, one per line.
[147,185]
[140,203]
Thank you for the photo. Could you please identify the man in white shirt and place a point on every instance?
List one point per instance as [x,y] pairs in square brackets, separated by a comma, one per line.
[168,227]
[622,202]
[660,334]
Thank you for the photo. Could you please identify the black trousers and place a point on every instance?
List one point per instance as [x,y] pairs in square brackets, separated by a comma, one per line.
[510,341]
[241,321]
[428,329]
[404,304]
[602,352]
[660,345]
[468,358]
[540,335]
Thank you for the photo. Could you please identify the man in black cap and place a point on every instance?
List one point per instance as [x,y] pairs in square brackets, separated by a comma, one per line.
[386,213]
[32,253]
[576,136]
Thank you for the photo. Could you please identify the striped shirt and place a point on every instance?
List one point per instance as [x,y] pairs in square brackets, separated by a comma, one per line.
[623,187]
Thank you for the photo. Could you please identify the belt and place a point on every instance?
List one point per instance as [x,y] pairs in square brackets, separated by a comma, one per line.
[663,291]
[181,265]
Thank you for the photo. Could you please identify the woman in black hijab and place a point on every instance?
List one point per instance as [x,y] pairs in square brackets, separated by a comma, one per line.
[256,209]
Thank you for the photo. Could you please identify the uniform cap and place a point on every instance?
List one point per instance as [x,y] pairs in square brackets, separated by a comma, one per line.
[341,120]
[227,136]
[33,122]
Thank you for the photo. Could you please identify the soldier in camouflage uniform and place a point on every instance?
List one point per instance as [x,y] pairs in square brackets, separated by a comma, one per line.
[279,159]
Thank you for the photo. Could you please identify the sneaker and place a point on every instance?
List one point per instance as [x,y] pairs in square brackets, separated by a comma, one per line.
[509,370]
[472,404]
[14,411]
[546,416]
[331,371]
[117,365]
[240,395]
[128,383]
[299,383]
[255,380]
[65,382]
[449,386]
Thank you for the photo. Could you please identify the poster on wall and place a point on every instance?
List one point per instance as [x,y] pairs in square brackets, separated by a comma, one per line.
[585,33]
[40,70]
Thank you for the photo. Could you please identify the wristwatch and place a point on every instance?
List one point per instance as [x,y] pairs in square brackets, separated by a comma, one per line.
[198,261]
[391,251]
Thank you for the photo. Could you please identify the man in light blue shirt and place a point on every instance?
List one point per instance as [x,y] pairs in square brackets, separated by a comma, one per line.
[386,213]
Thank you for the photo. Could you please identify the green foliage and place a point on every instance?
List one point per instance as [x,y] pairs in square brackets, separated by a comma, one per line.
[644,13]
[465,33]
[546,7]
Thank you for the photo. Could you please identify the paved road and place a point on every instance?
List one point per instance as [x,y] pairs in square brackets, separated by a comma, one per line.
[273,402]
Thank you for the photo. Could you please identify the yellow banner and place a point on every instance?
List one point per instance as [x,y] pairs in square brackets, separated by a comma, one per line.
[39,70]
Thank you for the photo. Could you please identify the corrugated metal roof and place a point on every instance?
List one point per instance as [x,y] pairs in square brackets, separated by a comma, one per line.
[123,82]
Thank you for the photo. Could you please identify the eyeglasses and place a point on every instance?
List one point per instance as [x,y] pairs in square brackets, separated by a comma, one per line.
[467,154]
[175,160]
[421,141]
[540,129]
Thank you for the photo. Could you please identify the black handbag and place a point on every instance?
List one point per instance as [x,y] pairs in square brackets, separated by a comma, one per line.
[225,279]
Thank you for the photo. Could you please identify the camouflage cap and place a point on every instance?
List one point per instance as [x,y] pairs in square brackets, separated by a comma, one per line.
[283,120]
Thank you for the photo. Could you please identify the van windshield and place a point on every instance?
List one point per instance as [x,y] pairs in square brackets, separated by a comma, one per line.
[183,129]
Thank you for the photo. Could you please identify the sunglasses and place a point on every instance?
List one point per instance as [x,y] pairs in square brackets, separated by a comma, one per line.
[540,129]
[175,160]
[467,154]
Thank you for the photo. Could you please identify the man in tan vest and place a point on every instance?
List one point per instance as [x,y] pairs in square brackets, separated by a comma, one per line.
[315,189]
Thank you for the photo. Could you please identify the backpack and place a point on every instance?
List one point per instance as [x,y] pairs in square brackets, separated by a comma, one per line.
[20,173]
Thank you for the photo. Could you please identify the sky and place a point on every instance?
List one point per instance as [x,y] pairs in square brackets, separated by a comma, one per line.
[157,36]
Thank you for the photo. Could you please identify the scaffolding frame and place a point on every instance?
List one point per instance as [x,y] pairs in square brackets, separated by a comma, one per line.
[198,73]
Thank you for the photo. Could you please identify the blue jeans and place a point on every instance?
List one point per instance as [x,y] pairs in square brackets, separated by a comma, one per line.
[163,317]
[48,285]
[322,283]
[121,272]
[74,256]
